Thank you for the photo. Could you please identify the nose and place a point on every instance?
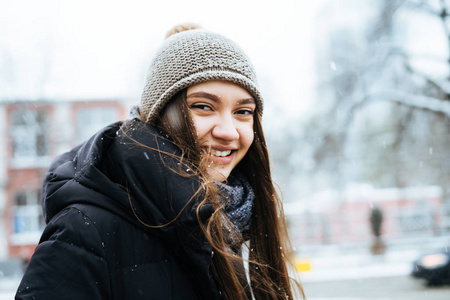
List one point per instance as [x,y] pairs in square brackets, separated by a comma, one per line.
[225,129]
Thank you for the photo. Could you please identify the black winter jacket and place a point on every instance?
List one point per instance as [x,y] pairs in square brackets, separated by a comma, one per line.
[96,247]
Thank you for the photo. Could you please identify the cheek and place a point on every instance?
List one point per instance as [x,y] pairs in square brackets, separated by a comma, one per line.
[201,126]
[247,136]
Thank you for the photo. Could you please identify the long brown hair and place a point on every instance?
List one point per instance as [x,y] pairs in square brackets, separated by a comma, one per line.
[268,245]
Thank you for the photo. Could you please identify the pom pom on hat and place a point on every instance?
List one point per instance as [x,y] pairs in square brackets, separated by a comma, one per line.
[181,28]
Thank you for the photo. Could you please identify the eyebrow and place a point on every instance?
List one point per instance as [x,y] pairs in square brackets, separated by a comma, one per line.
[246,101]
[204,95]
[216,98]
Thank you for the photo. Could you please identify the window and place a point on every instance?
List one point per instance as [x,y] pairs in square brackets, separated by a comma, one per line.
[416,219]
[90,120]
[28,220]
[29,135]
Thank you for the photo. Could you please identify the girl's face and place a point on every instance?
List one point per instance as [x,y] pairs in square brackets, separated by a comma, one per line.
[223,117]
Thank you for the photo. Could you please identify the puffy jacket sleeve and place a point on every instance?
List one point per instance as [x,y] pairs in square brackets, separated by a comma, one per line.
[68,263]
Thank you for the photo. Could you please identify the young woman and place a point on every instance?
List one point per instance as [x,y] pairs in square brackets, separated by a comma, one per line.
[160,206]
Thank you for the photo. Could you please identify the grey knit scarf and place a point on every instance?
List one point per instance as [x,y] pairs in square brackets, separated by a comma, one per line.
[237,199]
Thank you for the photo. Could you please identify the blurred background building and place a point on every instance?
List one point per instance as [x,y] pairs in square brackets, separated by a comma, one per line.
[343,217]
[34,133]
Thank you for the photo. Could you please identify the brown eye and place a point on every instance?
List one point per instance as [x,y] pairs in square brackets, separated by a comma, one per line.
[204,107]
[245,112]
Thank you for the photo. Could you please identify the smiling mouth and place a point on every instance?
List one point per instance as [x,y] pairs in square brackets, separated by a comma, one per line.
[219,153]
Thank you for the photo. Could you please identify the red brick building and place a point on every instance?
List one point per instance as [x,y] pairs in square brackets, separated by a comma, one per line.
[35,132]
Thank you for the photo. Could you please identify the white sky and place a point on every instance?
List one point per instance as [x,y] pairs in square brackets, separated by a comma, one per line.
[101,49]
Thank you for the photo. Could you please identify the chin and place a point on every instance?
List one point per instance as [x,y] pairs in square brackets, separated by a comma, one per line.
[219,175]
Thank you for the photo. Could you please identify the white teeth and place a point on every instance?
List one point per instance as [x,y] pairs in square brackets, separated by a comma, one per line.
[215,152]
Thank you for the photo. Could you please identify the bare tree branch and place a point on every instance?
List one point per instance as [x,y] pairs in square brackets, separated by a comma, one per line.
[417,101]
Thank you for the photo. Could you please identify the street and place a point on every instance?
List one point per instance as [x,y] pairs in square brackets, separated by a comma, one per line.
[338,273]
[377,288]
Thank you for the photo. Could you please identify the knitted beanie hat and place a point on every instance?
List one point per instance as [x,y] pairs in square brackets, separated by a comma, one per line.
[190,57]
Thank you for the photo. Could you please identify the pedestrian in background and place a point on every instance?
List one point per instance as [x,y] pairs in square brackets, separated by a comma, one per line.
[161,205]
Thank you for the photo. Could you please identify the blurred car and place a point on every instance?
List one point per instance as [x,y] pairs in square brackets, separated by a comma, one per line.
[433,267]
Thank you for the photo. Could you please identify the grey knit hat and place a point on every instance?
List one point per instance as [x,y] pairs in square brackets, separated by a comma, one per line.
[191,57]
